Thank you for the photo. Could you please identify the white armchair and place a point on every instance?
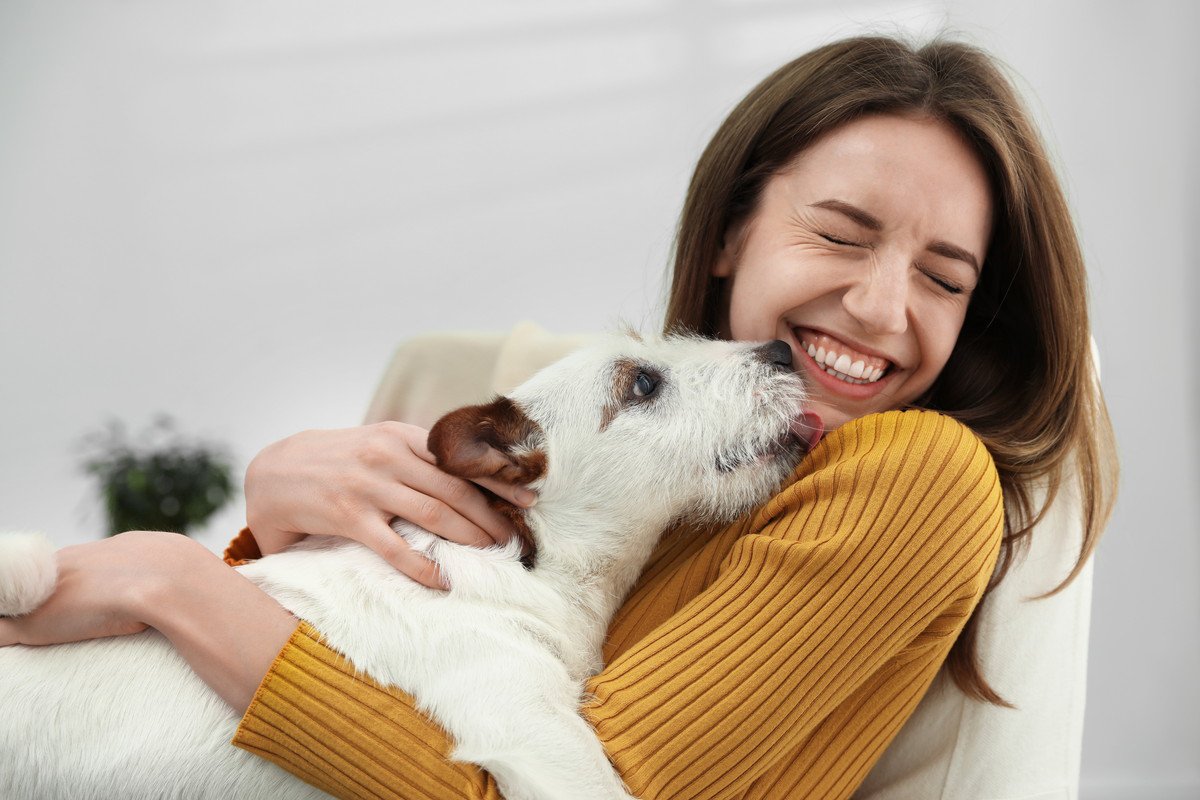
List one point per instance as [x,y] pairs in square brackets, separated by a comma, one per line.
[1034,654]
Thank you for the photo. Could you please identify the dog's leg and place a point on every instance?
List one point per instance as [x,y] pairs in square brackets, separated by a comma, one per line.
[523,726]
[557,756]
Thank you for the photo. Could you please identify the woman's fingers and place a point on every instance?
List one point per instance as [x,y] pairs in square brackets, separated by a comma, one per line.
[437,516]
[417,440]
[469,510]
[512,492]
[395,550]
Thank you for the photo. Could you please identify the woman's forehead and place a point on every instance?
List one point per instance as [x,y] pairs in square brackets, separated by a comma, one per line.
[902,171]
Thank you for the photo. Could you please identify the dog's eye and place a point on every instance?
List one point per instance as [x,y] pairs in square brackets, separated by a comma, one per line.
[644,385]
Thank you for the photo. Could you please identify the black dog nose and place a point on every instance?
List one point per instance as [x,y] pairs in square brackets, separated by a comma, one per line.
[776,352]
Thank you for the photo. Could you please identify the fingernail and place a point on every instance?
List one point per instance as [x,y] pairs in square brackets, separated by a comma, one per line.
[525,497]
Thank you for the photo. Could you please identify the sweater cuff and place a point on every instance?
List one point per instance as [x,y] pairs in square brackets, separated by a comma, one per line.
[243,548]
[315,717]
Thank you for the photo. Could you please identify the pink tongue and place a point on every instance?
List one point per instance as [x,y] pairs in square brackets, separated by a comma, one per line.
[808,428]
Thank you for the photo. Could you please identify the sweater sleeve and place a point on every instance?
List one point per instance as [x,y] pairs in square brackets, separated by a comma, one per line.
[825,623]
[810,644]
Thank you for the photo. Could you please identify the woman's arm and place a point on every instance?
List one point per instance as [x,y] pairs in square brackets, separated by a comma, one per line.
[784,663]
[228,630]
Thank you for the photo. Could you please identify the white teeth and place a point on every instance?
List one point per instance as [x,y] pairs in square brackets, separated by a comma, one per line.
[844,378]
[840,366]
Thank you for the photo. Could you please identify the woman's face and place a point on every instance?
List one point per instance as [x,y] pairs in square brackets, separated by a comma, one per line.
[863,252]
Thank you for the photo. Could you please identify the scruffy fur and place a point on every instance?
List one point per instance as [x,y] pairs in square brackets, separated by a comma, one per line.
[501,659]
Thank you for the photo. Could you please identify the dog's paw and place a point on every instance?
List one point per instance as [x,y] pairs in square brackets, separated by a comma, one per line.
[28,572]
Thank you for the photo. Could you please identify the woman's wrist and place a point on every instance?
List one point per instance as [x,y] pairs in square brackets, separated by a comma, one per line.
[272,541]
[226,628]
[152,590]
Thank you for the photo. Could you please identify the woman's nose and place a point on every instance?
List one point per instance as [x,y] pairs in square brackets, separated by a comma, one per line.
[879,299]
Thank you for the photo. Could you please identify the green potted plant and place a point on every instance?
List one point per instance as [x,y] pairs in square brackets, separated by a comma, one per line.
[163,482]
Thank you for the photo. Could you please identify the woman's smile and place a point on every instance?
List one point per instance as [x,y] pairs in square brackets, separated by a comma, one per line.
[843,359]
[839,368]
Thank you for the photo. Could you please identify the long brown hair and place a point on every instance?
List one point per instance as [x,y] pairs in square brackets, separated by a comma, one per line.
[1021,375]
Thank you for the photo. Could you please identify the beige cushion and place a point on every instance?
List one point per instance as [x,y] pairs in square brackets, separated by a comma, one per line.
[432,374]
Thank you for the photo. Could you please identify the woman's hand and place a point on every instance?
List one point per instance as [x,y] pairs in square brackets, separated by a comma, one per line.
[352,482]
[97,593]
[224,626]
[102,588]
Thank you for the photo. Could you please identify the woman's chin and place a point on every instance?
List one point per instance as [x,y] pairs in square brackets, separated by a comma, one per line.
[831,416]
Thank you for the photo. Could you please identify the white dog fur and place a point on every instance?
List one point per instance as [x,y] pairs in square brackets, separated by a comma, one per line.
[500,660]
[29,572]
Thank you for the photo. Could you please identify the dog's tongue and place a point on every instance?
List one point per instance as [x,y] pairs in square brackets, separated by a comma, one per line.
[808,428]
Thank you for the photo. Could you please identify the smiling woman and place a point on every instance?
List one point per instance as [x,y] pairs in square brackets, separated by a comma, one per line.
[911,221]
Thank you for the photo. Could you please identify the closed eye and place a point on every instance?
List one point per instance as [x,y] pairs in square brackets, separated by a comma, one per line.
[836,240]
[945,284]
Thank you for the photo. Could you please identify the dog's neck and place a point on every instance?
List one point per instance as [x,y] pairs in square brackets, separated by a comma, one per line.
[592,563]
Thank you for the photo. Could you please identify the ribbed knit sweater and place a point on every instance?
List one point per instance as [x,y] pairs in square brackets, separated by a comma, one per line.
[775,658]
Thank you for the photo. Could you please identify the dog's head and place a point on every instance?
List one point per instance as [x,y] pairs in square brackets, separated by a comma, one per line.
[637,432]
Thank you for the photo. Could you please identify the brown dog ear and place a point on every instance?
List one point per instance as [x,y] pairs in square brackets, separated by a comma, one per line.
[493,440]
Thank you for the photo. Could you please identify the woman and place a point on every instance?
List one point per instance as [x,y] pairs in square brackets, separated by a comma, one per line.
[889,212]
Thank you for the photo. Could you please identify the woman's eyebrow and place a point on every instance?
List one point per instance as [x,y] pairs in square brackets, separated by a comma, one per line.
[853,212]
[870,222]
[953,251]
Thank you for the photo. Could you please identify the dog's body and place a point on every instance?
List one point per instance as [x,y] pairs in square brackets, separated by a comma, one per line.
[619,440]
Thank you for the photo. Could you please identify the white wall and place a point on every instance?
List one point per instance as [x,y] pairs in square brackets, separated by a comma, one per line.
[232,211]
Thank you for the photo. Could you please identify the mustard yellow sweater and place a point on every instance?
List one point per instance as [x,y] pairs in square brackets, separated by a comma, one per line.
[774,659]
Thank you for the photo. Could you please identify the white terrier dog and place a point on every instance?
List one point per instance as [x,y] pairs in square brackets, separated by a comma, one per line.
[620,441]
